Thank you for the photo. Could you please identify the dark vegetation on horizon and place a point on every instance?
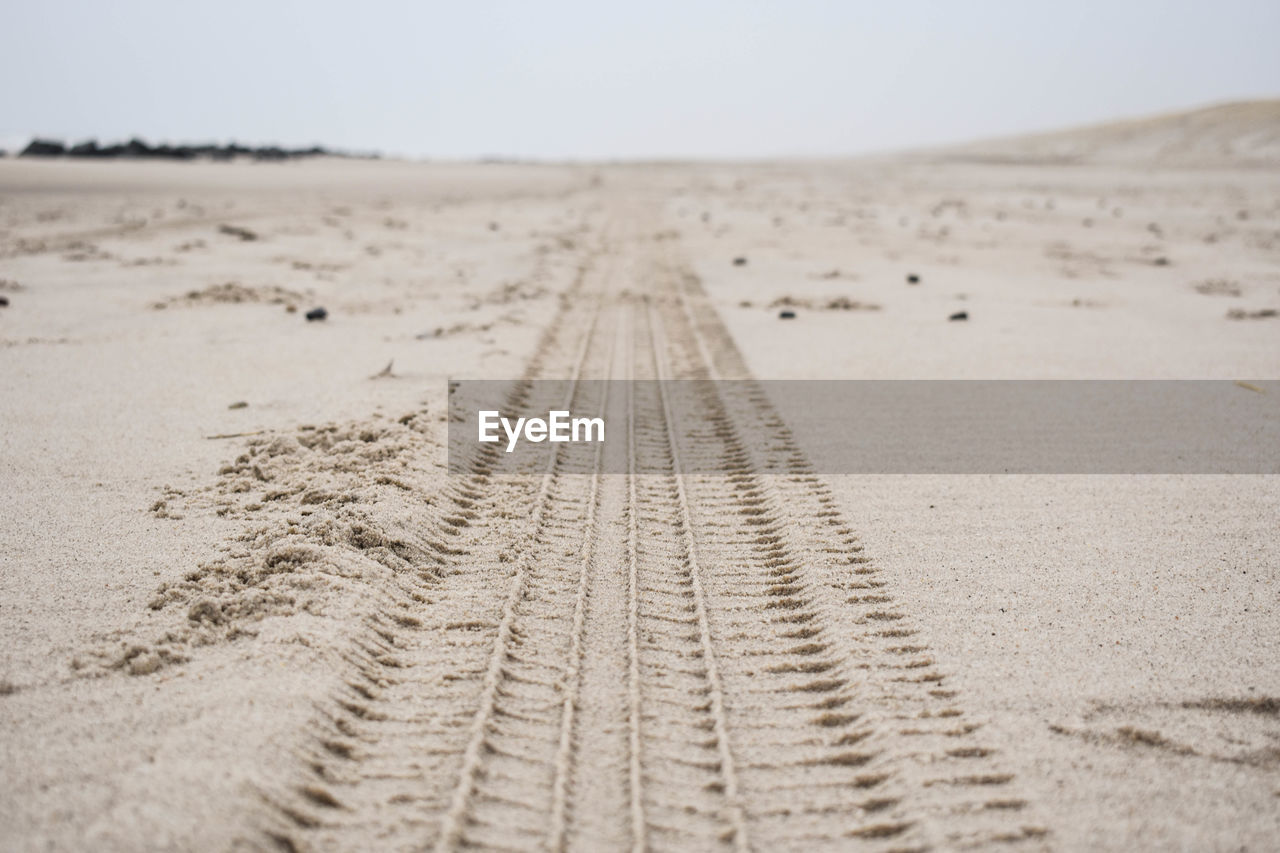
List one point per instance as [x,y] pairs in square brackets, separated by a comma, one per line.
[136,149]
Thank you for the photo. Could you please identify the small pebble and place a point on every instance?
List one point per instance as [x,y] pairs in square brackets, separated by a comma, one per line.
[739,262]
[239,405]
[959,315]
[786,315]
[913,279]
[4,302]
[316,314]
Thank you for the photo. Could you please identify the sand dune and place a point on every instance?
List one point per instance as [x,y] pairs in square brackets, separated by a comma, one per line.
[1242,134]
[247,607]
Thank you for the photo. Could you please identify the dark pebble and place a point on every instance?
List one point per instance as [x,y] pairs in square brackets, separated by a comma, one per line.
[4,302]
[739,262]
[316,314]
[959,315]
[913,279]
[786,315]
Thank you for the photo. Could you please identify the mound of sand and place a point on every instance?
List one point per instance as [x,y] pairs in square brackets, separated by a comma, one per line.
[233,293]
[1245,133]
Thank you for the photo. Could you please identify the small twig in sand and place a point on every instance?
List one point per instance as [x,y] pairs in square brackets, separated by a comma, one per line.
[237,231]
[236,434]
[385,373]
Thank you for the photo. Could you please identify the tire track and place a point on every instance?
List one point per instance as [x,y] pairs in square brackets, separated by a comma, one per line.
[381,750]
[883,690]
[525,687]
[803,782]
[693,571]
[564,752]
[676,661]
[635,776]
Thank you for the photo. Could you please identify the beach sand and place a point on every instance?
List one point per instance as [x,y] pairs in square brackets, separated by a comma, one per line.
[245,605]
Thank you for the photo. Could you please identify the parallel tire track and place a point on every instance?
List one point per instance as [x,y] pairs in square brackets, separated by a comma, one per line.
[675,661]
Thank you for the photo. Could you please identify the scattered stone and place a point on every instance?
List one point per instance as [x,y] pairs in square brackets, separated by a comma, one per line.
[291,309]
[316,314]
[739,262]
[239,405]
[4,302]
[786,315]
[959,315]
[913,279]
[1161,262]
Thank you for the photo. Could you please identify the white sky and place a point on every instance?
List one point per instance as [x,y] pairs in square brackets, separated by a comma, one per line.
[729,78]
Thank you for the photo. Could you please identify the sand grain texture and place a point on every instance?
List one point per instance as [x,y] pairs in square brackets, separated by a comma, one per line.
[310,636]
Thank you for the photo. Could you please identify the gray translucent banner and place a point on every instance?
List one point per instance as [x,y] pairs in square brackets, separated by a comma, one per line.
[864,427]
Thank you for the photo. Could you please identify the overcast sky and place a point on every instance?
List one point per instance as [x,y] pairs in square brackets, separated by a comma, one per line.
[606,79]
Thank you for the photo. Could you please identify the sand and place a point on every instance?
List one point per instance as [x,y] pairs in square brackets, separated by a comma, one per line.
[308,635]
